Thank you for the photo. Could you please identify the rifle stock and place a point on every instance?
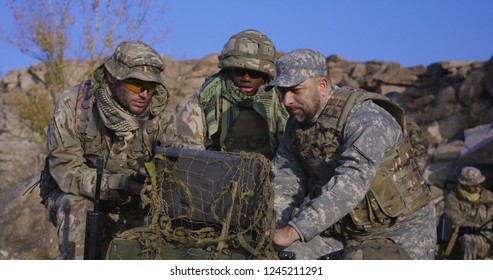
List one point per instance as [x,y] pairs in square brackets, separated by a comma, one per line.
[94,221]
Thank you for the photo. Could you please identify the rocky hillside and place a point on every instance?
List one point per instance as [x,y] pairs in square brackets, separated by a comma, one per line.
[451,101]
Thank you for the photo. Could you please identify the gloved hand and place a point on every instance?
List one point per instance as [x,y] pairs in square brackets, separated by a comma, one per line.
[126,186]
[132,185]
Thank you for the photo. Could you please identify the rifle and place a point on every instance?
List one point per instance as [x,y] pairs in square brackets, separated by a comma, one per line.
[461,230]
[94,221]
[472,230]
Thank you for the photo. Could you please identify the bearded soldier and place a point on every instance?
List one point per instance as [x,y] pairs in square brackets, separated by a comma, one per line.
[120,115]
[233,110]
[345,171]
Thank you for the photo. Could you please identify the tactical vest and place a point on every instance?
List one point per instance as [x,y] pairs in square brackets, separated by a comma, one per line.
[249,132]
[397,189]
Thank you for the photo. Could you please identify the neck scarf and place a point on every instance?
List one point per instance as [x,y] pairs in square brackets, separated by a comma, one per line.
[224,100]
[472,197]
[113,115]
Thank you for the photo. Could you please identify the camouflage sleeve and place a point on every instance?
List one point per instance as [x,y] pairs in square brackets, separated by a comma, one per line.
[282,114]
[174,132]
[452,209]
[417,140]
[192,116]
[369,132]
[66,155]
[288,181]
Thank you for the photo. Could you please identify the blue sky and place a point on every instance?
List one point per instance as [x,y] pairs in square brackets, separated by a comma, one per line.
[411,32]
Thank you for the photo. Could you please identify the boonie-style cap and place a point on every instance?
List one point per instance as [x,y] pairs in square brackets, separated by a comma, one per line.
[470,176]
[134,59]
[296,66]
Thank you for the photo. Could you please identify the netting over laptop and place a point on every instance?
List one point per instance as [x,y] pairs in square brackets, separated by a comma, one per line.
[212,200]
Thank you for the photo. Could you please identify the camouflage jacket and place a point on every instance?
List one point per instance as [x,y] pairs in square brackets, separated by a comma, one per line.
[417,140]
[369,132]
[465,213]
[212,111]
[72,154]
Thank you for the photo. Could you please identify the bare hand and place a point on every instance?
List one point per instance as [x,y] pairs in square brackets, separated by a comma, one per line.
[285,236]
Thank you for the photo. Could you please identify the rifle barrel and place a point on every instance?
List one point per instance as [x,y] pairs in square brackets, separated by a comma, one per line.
[99,175]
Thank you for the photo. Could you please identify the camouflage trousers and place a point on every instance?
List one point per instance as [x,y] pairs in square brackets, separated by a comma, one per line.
[474,247]
[417,234]
[329,248]
[375,249]
[412,238]
[67,212]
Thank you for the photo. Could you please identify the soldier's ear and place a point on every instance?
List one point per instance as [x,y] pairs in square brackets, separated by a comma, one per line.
[109,78]
[324,86]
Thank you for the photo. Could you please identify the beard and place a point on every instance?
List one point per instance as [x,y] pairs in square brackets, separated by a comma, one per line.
[305,113]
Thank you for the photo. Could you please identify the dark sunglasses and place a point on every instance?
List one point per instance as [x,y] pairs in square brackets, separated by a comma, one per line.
[252,73]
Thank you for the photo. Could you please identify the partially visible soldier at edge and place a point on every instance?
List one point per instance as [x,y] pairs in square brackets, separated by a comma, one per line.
[470,207]
[121,115]
[413,131]
[233,111]
[338,174]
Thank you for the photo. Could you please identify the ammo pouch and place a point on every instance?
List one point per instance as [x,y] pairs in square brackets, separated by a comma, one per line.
[397,191]
[46,182]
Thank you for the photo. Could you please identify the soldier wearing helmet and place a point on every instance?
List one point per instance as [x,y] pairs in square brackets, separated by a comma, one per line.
[234,110]
[470,208]
[119,114]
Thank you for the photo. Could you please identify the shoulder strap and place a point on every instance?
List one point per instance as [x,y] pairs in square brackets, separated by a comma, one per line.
[390,106]
[146,136]
[348,105]
[337,110]
[83,106]
[344,99]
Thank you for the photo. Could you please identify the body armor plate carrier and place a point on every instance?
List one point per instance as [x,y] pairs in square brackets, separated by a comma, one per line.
[397,189]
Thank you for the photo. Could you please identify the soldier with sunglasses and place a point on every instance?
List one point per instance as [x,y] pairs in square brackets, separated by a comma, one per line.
[233,110]
[120,115]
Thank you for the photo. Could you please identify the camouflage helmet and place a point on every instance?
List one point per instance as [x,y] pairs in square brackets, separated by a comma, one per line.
[134,59]
[470,176]
[249,49]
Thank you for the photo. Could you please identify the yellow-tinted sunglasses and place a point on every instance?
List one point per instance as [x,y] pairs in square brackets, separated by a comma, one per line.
[137,87]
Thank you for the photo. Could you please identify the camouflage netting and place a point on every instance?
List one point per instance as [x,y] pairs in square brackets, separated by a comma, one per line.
[217,202]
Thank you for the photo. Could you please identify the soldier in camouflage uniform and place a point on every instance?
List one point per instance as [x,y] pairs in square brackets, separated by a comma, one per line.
[470,207]
[119,114]
[413,131]
[233,111]
[344,170]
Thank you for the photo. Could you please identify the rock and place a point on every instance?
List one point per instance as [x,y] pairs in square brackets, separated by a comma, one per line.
[26,232]
[478,145]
